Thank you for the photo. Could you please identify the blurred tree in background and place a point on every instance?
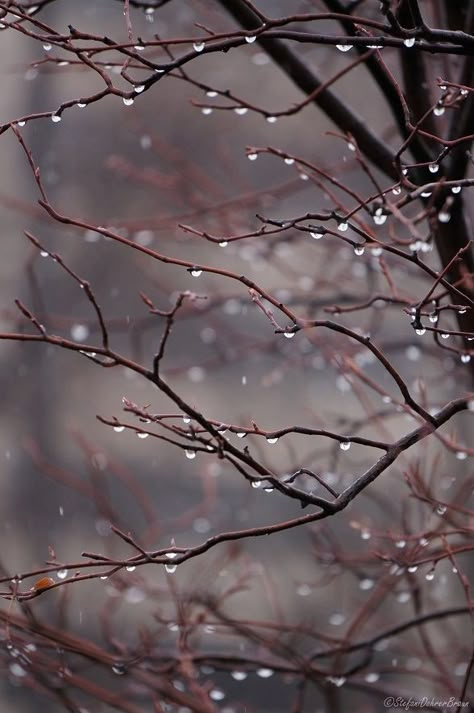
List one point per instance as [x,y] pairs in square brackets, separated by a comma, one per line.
[237,317]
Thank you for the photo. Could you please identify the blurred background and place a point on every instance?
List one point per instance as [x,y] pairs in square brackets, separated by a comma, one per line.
[144,170]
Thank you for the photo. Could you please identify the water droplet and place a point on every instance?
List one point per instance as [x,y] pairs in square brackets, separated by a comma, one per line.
[130,568]
[403,597]
[456,189]
[81,105]
[396,190]
[250,39]
[289,161]
[366,584]
[413,663]
[47,47]
[397,570]
[441,509]
[239,675]
[337,619]
[217,694]
[171,568]
[365,535]
[199,46]
[55,118]
[424,542]
[119,669]
[465,358]
[464,92]
[241,434]
[426,194]
[21,123]
[134,595]
[196,374]
[460,669]
[413,353]
[17,670]
[289,335]
[445,335]
[444,217]
[379,219]
[43,253]
[433,317]
[119,429]
[196,272]
[430,575]
[139,48]
[272,440]
[128,101]
[62,573]
[317,234]
[256,483]
[420,331]
[223,244]
[372,677]
[143,435]
[461,455]
[264,672]
[31,74]
[400,544]
[241,110]
[139,89]
[337,681]
[439,110]
[343,227]
[412,568]
[359,250]
[252,156]
[79,332]
[345,445]
[304,590]
[271,119]
[351,146]
[409,42]
[344,48]
[190,454]
[433,168]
